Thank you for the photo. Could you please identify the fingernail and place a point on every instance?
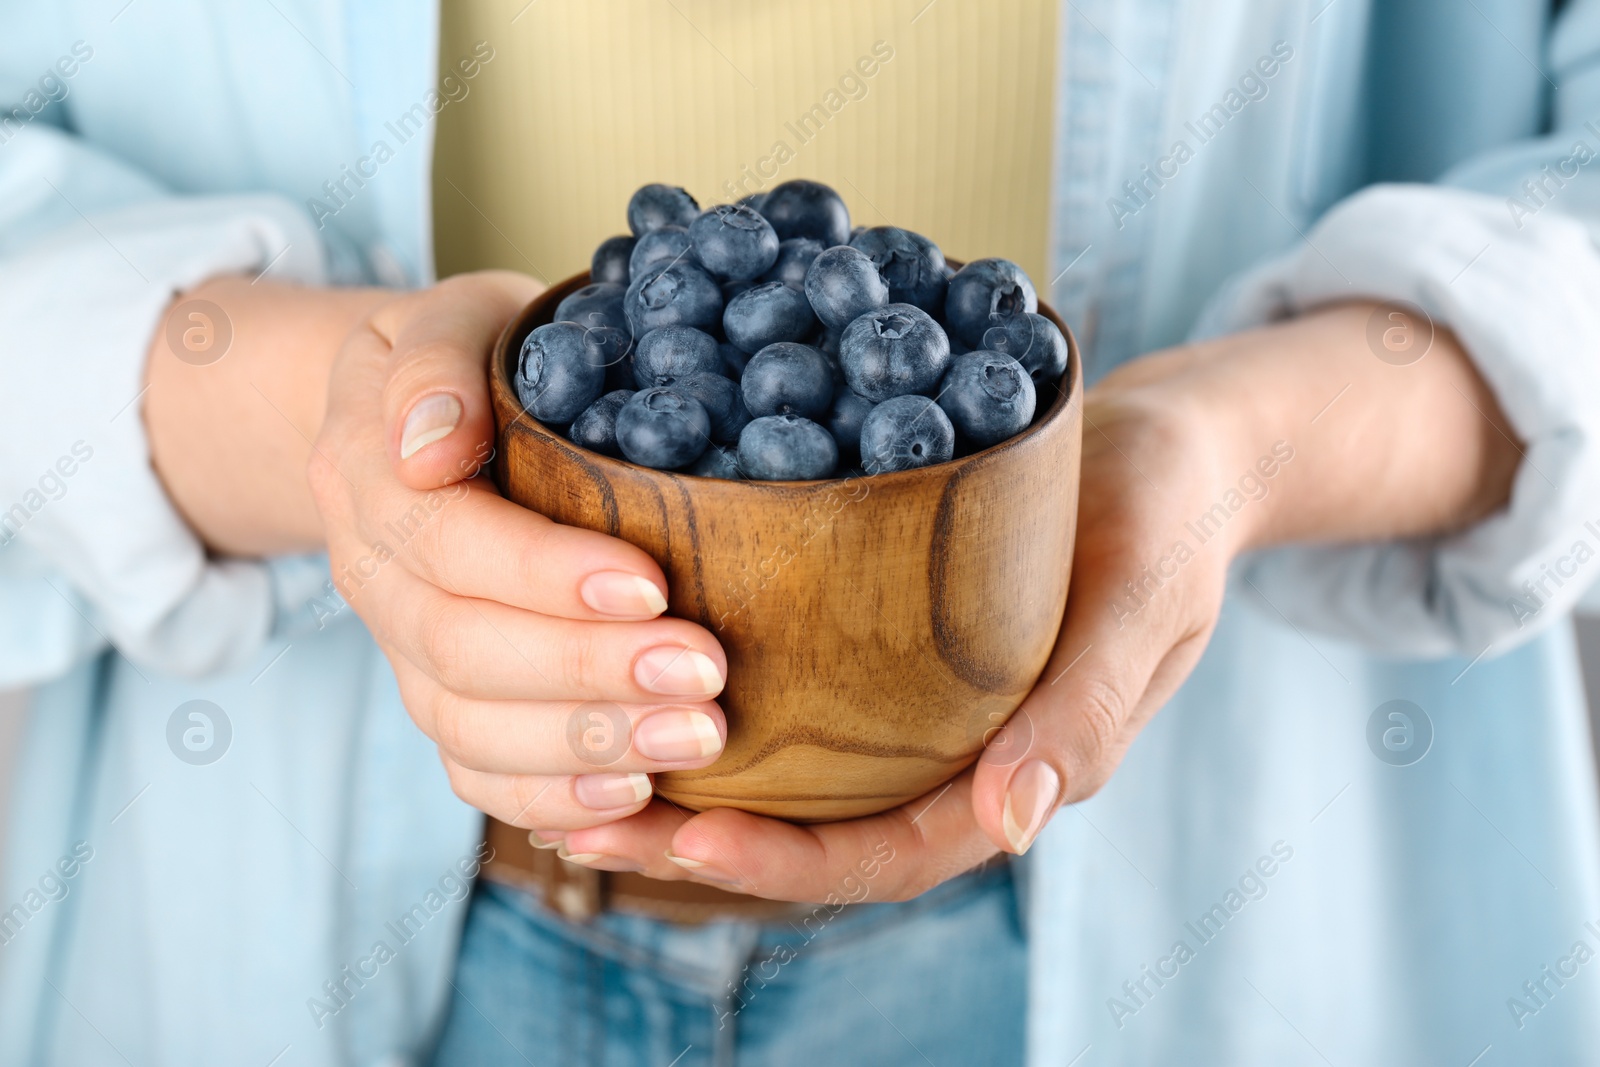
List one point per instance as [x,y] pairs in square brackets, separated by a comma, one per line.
[1029,801]
[611,790]
[681,672]
[538,842]
[675,735]
[431,418]
[626,596]
[702,869]
[578,857]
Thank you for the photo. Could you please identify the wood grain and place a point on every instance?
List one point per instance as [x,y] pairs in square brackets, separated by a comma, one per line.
[877,629]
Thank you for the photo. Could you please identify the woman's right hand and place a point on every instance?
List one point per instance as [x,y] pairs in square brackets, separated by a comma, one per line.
[535,655]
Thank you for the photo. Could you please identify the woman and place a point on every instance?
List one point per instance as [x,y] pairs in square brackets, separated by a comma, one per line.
[1388,393]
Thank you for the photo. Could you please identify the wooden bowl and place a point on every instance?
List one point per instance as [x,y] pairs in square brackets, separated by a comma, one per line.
[878,629]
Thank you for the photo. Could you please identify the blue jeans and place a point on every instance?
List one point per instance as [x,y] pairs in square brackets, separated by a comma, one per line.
[940,980]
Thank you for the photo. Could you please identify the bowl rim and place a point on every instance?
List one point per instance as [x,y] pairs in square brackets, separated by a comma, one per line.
[521,324]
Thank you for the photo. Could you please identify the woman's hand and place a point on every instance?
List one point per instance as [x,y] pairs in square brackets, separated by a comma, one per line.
[1190,457]
[531,653]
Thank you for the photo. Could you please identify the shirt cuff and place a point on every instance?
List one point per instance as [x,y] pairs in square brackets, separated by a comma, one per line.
[95,551]
[1523,299]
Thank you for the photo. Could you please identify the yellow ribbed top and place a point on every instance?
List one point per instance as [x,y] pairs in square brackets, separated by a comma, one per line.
[933,116]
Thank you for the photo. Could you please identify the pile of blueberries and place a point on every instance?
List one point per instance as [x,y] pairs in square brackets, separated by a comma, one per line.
[768,340]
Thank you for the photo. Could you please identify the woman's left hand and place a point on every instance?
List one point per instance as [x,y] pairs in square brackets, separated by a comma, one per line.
[1417,450]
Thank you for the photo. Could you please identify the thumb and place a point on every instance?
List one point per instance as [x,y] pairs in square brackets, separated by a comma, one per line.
[436,405]
[1103,682]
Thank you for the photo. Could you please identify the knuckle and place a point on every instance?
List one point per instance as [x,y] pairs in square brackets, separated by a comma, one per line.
[579,661]
[442,640]
[449,718]
[1101,709]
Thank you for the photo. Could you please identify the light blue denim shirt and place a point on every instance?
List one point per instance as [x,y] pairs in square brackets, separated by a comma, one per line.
[1264,882]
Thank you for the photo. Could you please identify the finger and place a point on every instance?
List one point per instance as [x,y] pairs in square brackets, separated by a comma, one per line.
[472,542]
[566,802]
[893,856]
[436,398]
[1094,695]
[489,651]
[561,737]
[643,844]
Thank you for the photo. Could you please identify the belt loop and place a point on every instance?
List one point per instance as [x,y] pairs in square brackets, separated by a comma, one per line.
[575,891]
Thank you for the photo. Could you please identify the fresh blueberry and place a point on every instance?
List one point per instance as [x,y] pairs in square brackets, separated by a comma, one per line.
[844,422]
[668,353]
[768,313]
[557,377]
[619,375]
[988,397]
[734,359]
[597,304]
[1033,341]
[911,265]
[982,294]
[662,428]
[905,432]
[678,294]
[787,378]
[609,347]
[804,208]
[734,243]
[656,205]
[723,403]
[670,244]
[718,462]
[596,428]
[794,259]
[842,284]
[610,262]
[786,448]
[892,351]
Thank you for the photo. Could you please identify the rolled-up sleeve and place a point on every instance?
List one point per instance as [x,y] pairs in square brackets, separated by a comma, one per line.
[92,552]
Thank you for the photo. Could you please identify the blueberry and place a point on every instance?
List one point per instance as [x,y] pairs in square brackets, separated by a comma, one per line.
[619,375]
[842,284]
[733,242]
[787,378]
[804,208]
[982,294]
[671,352]
[610,262]
[1033,341]
[794,259]
[723,403]
[988,397]
[608,346]
[905,432]
[662,428]
[679,294]
[718,462]
[598,304]
[911,265]
[844,422]
[827,339]
[786,448]
[670,244]
[892,351]
[656,205]
[768,313]
[754,200]
[733,289]
[556,376]
[596,428]
[734,359]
